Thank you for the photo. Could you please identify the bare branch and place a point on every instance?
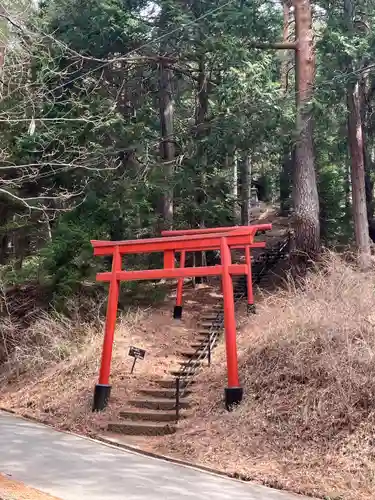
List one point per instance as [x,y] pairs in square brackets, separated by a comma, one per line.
[274,46]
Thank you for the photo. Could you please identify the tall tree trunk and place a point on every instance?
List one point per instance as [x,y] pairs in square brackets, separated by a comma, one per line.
[167,147]
[347,178]
[4,214]
[201,163]
[347,188]
[285,180]
[367,88]
[358,176]
[21,245]
[167,144]
[231,165]
[305,192]
[355,134]
[3,29]
[245,176]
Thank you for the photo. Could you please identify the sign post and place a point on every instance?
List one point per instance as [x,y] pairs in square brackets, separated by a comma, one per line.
[136,353]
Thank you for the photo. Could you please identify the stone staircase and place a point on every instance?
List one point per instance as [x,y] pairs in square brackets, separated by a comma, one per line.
[153,411]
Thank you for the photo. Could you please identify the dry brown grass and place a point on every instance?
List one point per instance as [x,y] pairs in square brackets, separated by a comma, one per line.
[15,490]
[52,366]
[306,364]
[307,367]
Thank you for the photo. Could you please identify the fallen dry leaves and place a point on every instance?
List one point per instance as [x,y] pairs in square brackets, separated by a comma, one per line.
[307,366]
[14,490]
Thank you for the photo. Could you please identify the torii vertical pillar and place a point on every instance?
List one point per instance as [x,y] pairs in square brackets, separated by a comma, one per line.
[103,388]
[233,393]
[177,312]
[249,283]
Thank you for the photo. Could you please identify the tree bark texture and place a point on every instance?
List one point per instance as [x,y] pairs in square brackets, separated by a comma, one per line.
[166,107]
[167,146]
[245,176]
[285,180]
[201,111]
[356,146]
[305,193]
[231,165]
[361,228]
[367,90]
[3,24]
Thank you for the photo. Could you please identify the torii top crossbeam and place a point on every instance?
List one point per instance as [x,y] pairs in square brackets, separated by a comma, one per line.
[222,239]
[198,240]
[207,230]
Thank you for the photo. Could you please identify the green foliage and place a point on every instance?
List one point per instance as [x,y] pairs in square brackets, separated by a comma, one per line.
[334,223]
[29,273]
[68,258]
[81,136]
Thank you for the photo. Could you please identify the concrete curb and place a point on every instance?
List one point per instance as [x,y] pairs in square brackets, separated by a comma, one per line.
[173,460]
[139,451]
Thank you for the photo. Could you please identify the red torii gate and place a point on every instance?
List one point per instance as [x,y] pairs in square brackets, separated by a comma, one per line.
[177,313]
[212,239]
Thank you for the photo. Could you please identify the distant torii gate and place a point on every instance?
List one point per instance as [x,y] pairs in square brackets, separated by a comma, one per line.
[212,239]
[177,312]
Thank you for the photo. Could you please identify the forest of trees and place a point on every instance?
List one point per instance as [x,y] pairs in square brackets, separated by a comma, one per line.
[122,117]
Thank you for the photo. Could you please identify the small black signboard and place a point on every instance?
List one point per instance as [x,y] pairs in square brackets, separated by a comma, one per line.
[136,353]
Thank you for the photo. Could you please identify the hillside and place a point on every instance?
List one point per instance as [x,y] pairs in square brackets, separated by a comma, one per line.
[307,365]
[56,362]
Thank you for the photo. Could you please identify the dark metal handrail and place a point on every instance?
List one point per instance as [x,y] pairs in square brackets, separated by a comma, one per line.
[204,350]
[277,251]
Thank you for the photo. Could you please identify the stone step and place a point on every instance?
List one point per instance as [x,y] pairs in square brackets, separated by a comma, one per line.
[212,327]
[212,317]
[203,351]
[146,414]
[205,324]
[170,383]
[193,353]
[179,373]
[201,362]
[158,403]
[133,428]
[207,334]
[204,346]
[214,344]
[162,393]
[204,339]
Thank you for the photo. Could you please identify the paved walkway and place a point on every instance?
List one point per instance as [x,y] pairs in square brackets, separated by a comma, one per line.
[75,468]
